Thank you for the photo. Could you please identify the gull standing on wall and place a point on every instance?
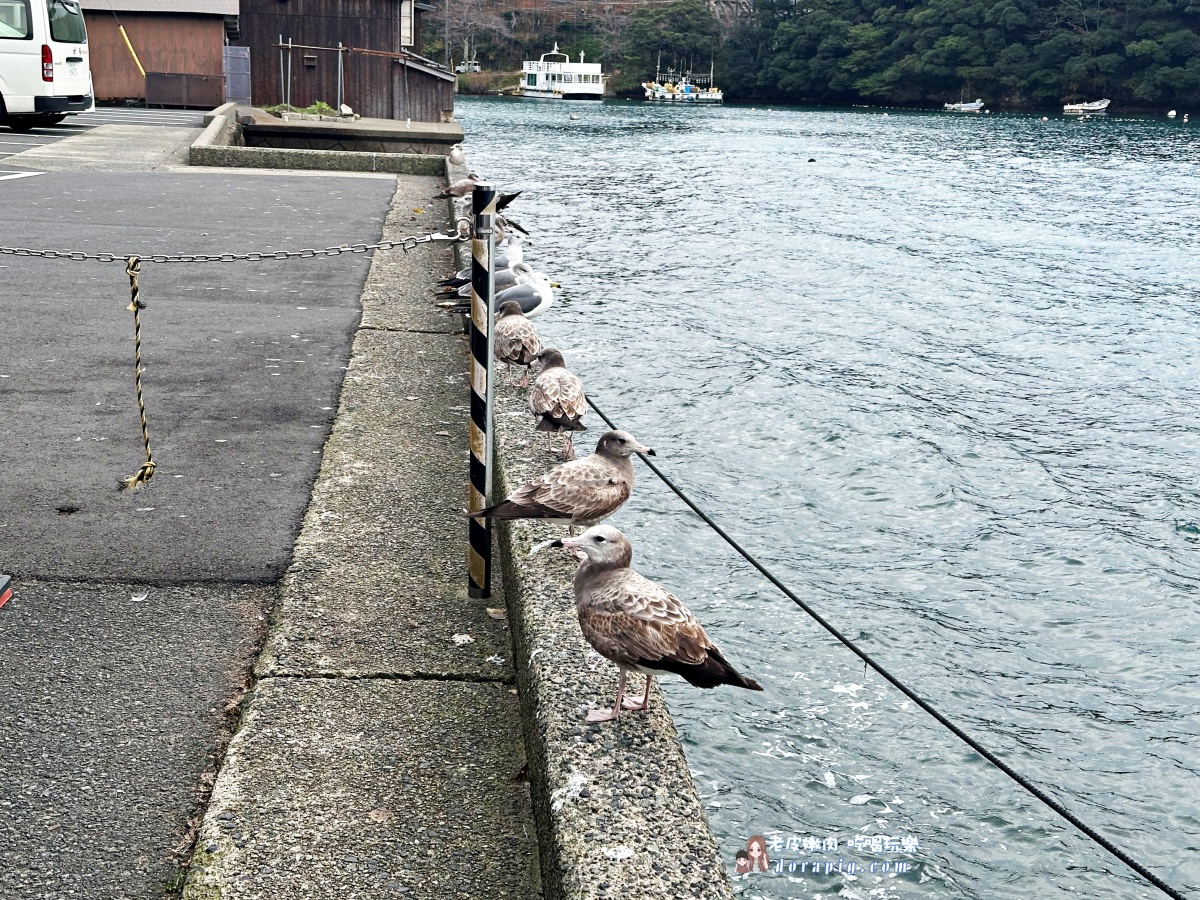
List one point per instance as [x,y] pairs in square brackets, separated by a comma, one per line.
[638,624]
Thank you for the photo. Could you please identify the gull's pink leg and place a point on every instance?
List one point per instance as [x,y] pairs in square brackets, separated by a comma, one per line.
[568,451]
[608,715]
[645,704]
[525,378]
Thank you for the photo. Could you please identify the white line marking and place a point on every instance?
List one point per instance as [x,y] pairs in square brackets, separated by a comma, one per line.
[20,175]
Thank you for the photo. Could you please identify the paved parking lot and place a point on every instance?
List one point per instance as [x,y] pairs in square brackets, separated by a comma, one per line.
[12,142]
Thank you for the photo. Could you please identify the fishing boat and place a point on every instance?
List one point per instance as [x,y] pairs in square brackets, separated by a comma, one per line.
[682,87]
[1076,109]
[975,107]
[555,77]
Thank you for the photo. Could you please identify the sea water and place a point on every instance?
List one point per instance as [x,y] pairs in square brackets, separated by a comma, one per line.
[941,373]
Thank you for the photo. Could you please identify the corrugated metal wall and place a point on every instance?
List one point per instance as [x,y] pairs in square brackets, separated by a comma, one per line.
[374,86]
[187,44]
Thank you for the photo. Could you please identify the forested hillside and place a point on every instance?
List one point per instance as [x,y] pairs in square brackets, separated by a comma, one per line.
[1141,54]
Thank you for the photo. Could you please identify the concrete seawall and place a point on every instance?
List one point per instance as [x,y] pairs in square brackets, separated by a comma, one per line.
[617,812]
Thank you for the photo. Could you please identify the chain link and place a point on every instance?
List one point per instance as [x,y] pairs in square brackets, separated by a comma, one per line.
[405,244]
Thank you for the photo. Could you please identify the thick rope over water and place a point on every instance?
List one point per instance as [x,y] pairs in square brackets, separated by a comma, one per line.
[907,691]
[133,266]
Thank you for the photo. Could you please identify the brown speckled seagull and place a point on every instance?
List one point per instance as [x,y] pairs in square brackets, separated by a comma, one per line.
[639,625]
[579,492]
[516,341]
[460,188]
[557,401]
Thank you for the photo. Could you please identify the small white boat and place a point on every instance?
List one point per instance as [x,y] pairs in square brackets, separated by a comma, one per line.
[1077,109]
[561,79]
[975,107]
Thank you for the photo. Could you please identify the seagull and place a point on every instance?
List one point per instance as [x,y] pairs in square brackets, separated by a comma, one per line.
[511,252]
[638,624]
[460,188]
[503,278]
[503,223]
[534,295]
[457,157]
[504,199]
[516,341]
[580,492]
[557,400]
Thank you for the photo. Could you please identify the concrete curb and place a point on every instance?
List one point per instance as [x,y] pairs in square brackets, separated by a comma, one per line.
[221,110]
[213,148]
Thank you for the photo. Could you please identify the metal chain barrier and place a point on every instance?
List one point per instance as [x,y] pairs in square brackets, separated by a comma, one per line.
[405,244]
[133,268]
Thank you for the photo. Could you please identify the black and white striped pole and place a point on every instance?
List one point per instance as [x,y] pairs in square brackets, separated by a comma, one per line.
[483,283]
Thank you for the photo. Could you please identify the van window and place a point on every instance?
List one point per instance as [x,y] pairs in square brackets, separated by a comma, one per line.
[66,22]
[14,20]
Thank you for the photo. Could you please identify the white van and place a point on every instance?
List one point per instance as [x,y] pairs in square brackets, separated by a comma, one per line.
[44,72]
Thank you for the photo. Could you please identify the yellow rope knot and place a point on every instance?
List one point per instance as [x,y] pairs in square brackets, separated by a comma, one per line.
[133,265]
[145,472]
[142,476]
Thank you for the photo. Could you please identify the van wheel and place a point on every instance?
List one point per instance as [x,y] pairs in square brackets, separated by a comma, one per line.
[22,122]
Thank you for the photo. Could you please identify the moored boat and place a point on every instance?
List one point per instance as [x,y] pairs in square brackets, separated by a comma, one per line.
[1096,106]
[977,106]
[682,87]
[561,79]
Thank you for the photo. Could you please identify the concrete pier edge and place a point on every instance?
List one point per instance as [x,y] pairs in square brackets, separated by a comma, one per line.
[617,812]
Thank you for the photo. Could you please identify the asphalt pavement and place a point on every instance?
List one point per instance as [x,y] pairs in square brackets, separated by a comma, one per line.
[135,615]
[243,363]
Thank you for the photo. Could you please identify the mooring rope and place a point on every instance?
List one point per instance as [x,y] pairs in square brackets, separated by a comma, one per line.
[905,689]
[133,266]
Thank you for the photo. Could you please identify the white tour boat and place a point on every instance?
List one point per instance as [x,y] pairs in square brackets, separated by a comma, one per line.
[1096,106]
[682,88]
[977,106]
[561,79]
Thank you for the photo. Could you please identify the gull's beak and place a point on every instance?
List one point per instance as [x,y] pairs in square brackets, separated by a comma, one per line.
[555,543]
[555,284]
[646,450]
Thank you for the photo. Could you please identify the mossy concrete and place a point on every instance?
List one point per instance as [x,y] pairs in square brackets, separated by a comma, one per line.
[373,789]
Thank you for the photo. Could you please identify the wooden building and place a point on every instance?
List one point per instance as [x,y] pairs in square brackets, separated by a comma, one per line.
[381,74]
[176,37]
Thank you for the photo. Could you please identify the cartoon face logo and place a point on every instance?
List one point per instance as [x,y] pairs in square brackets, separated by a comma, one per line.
[756,849]
[742,864]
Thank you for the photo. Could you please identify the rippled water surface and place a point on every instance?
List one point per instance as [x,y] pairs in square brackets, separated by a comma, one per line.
[942,374]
